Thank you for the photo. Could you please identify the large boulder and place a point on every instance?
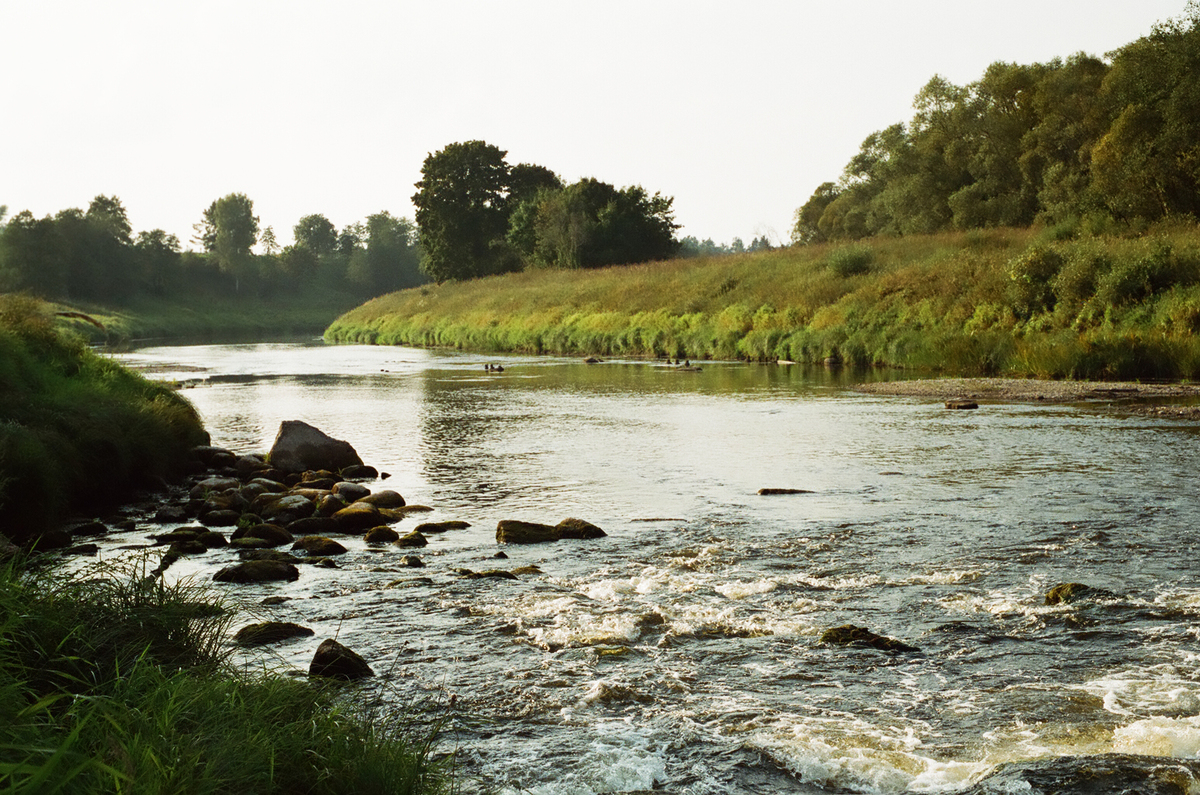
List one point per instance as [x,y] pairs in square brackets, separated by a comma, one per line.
[335,661]
[299,447]
[258,571]
[578,528]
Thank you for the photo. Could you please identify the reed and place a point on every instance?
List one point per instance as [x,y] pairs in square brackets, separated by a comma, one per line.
[1026,302]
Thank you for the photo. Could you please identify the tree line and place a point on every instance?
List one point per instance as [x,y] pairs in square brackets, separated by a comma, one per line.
[1079,140]
[93,255]
[477,215]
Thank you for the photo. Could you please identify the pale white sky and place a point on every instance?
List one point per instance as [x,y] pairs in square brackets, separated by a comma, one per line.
[738,110]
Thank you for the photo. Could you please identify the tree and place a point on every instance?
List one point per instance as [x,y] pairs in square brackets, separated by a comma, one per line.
[805,227]
[391,260]
[270,246]
[31,257]
[462,211]
[228,230]
[158,259]
[317,234]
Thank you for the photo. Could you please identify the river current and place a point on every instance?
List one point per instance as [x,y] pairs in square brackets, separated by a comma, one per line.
[682,651]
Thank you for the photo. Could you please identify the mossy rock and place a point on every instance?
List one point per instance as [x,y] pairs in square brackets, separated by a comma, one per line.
[412,540]
[335,661]
[319,546]
[850,635]
[441,527]
[381,535]
[249,571]
[1069,592]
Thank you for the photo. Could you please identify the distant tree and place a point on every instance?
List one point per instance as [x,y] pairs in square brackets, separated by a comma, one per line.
[351,239]
[806,224]
[391,259]
[270,246]
[158,260]
[462,211]
[31,257]
[760,244]
[228,230]
[317,234]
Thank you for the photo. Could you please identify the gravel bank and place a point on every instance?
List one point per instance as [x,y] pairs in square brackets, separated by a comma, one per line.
[1158,399]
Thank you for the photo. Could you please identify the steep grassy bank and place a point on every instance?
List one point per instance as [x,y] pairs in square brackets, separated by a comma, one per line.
[115,682]
[76,430]
[1011,301]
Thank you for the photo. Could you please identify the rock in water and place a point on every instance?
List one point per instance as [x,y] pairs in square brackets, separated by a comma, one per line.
[335,661]
[850,635]
[299,447]
[258,571]
[1104,774]
[270,632]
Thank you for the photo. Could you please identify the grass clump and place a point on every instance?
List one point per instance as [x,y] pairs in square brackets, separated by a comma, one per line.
[112,681]
[77,430]
[1024,302]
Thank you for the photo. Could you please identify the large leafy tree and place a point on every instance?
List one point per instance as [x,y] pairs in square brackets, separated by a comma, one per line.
[462,211]
[317,234]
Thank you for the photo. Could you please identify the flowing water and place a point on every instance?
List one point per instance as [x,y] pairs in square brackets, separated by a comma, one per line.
[682,651]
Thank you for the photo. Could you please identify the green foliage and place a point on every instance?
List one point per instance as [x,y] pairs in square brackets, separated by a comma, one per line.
[114,681]
[851,261]
[1033,274]
[78,429]
[1066,139]
[317,234]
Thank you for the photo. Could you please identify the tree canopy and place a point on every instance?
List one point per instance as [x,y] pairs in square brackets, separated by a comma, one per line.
[1074,138]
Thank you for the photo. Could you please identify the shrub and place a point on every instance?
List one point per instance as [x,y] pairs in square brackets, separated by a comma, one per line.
[1030,276]
[852,261]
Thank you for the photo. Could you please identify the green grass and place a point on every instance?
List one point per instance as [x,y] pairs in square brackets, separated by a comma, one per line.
[1026,302]
[77,430]
[111,681]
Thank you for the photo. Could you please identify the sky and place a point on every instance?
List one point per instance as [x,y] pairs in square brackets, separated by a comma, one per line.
[737,110]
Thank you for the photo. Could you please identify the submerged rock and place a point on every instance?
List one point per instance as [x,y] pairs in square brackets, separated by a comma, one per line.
[299,447]
[270,632]
[1104,774]
[961,405]
[1068,592]
[770,492]
[850,635]
[441,527]
[335,661]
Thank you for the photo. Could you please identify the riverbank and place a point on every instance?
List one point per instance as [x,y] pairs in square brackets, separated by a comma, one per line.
[1011,302]
[1144,398]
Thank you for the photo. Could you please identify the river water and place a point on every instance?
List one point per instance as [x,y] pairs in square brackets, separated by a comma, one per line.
[682,651]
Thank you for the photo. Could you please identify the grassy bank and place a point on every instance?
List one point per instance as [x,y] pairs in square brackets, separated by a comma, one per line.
[77,431]
[145,321]
[1046,303]
[115,682]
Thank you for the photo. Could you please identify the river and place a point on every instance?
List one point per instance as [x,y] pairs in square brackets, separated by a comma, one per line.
[682,651]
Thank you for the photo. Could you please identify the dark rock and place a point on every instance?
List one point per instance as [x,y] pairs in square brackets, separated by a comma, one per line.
[170,514]
[501,555]
[413,539]
[283,508]
[350,491]
[319,484]
[313,526]
[961,405]
[248,465]
[214,457]
[82,549]
[231,500]
[441,527]
[272,601]
[359,472]
[1069,592]
[515,531]
[381,535]
[187,546]
[220,518]
[212,539]
[250,543]
[578,528]
[850,635]
[770,492]
[358,517]
[213,485]
[88,529]
[258,571]
[52,539]
[413,562]
[319,546]
[299,446]
[273,534]
[494,574]
[384,499]
[1103,774]
[335,661]
[268,554]
[526,570]
[270,632]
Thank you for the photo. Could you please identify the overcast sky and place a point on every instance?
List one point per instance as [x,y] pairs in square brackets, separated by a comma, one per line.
[738,110]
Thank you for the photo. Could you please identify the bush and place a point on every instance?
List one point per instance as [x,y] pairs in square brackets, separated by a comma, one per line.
[1031,275]
[853,261]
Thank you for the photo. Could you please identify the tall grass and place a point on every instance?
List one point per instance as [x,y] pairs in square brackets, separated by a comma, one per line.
[1004,301]
[111,681]
[76,429]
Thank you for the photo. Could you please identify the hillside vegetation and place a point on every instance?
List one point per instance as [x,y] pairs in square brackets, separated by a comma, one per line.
[1049,303]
